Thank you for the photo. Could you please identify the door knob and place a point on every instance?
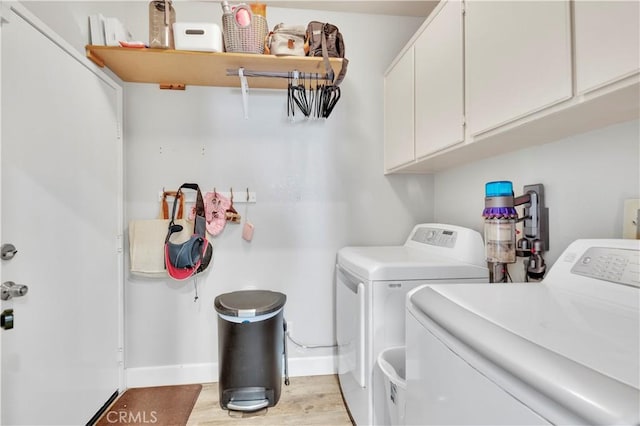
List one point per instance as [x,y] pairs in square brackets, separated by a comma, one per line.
[7,251]
[10,289]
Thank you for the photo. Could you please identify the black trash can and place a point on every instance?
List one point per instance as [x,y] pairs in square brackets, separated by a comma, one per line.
[251,349]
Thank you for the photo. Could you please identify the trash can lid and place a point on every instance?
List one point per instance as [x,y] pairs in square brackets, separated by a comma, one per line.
[249,303]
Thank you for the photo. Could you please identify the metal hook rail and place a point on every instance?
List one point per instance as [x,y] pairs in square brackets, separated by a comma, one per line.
[329,101]
[248,197]
[275,74]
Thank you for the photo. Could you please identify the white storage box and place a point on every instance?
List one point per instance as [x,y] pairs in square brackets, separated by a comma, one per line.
[197,36]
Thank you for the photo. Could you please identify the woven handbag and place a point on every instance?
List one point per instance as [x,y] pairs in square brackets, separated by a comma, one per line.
[243,31]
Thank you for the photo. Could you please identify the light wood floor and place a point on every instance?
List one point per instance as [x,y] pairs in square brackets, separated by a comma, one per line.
[313,400]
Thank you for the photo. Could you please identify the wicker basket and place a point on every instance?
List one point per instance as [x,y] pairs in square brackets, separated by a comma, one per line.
[247,39]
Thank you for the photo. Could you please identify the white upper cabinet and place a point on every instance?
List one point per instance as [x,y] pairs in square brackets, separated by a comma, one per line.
[607,42]
[398,113]
[439,96]
[482,78]
[518,60]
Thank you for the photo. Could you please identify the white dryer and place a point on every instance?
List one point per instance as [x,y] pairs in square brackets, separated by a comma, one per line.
[371,288]
[563,351]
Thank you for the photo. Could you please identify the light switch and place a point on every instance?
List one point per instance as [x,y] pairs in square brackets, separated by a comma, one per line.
[631,219]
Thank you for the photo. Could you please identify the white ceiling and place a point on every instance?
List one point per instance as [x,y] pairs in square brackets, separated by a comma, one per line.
[400,8]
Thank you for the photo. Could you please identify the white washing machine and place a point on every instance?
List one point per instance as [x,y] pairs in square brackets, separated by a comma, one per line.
[563,351]
[371,288]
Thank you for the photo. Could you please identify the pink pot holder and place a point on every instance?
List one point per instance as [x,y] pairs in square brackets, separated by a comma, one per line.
[215,209]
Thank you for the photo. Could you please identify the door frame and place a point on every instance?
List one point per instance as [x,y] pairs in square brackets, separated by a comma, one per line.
[2,22]
[5,19]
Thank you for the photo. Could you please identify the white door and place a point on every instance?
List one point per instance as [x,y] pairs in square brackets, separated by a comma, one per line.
[517,60]
[607,42]
[352,317]
[61,207]
[439,79]
[398,113]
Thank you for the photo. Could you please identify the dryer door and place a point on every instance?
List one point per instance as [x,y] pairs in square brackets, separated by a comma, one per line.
[350,313]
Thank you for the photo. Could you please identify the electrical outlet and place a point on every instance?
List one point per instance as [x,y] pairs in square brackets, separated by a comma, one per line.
[630,224]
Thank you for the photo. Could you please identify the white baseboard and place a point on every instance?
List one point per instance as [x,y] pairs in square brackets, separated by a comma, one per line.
[208,372]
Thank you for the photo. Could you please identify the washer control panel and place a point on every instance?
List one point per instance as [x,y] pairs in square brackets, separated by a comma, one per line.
[435,236]
[621,266]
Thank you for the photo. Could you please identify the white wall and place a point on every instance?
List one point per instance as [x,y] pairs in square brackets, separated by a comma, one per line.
[586,179]
[319,187]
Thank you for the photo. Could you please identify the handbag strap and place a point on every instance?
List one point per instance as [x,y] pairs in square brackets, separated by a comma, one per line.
[325,55]
[343,72]
[327,65]
[165,207]
[199,219]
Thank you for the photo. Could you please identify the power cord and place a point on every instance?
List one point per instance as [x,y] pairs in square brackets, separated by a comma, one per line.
[301,345]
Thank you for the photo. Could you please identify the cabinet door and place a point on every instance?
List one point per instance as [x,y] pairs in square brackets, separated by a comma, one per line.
[398,113]
[439,82]
[518,60]
[607,37]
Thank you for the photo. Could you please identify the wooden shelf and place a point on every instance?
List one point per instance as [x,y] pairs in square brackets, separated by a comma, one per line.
[177,68]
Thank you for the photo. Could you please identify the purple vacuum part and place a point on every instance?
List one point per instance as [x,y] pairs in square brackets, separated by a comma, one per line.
[500,213]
